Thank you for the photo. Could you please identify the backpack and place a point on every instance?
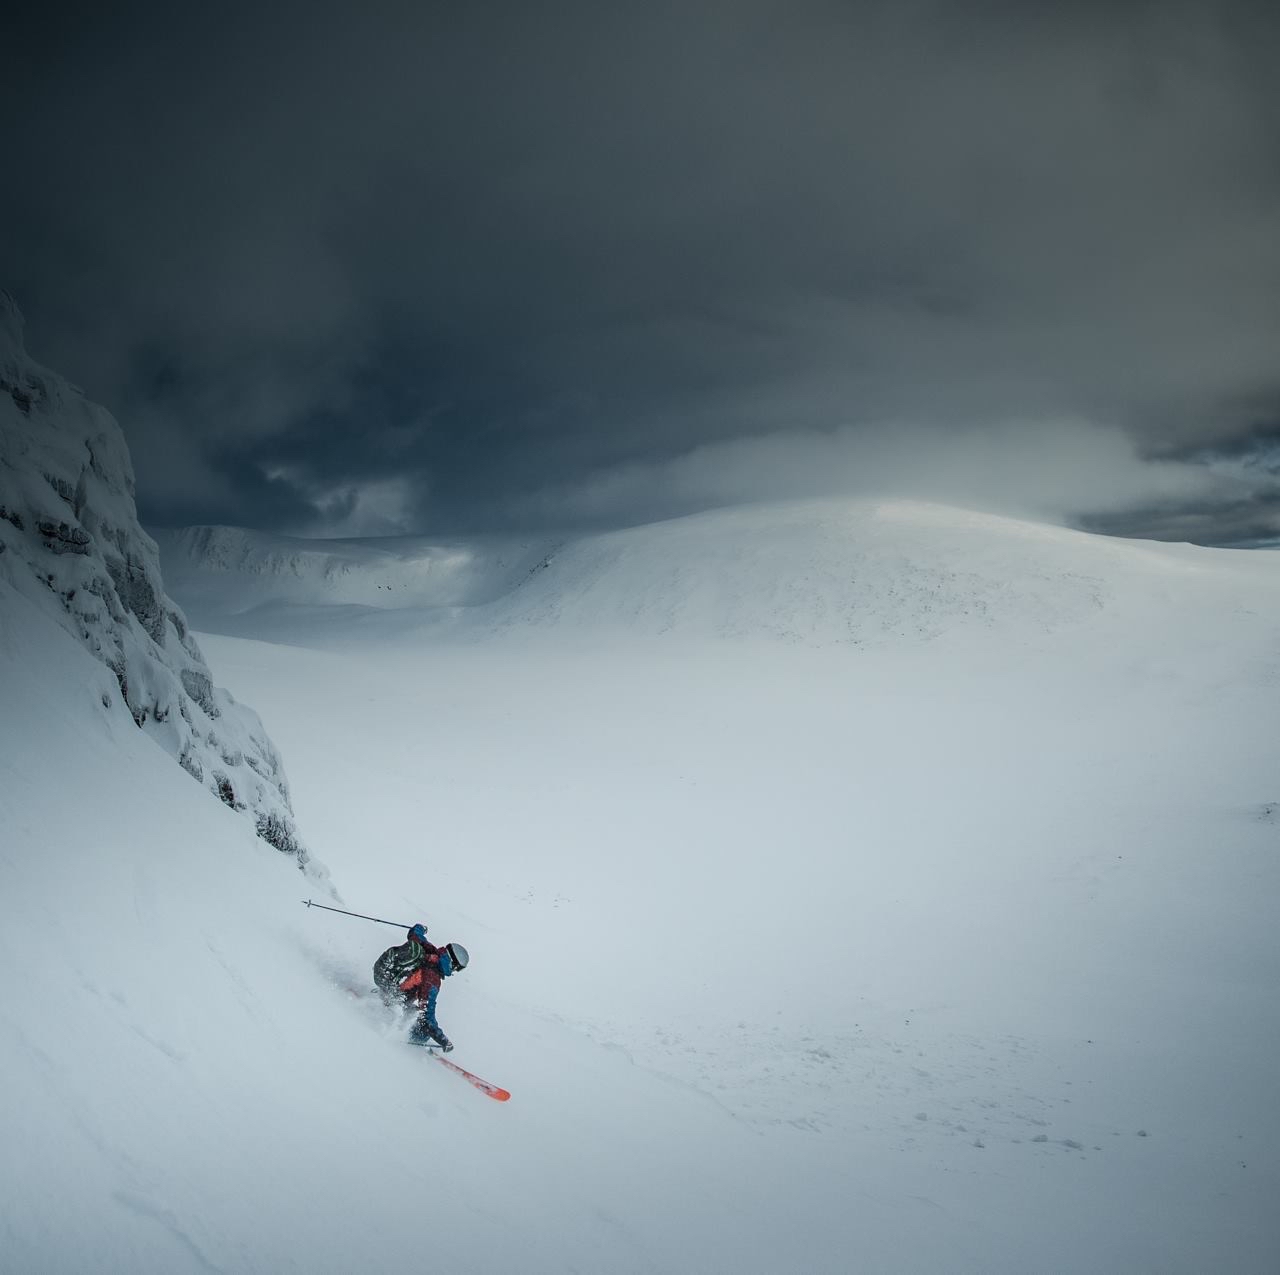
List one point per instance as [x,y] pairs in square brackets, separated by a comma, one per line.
[394,966]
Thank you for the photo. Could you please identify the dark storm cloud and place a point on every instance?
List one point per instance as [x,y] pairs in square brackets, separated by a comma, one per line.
[452,266]
[1245,512]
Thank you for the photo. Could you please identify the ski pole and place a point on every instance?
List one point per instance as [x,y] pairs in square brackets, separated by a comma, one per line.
[361,915]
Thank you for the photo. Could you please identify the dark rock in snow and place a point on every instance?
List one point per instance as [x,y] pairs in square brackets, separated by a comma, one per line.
[71,543]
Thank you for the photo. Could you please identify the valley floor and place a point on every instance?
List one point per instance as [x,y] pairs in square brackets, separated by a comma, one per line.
[934,933]
[971,962]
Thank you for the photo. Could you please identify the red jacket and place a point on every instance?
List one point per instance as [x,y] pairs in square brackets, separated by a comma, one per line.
[420,983]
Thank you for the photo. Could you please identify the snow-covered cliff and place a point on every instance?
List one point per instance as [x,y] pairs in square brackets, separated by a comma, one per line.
[70,541]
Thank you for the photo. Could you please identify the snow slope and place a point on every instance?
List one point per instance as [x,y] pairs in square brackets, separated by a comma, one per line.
[938,850]
[848,886]
[189,1086]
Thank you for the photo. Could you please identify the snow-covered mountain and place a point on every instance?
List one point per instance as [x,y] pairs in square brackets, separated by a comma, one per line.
[71,544]
[848,886]
[823,572]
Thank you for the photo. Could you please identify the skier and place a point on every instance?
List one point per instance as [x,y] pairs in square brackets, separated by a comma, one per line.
[409,976]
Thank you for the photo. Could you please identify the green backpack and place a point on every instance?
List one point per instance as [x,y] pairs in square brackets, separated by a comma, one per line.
[395,965]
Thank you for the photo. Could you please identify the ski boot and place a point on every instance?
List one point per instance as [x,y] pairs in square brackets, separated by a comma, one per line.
[430,1035]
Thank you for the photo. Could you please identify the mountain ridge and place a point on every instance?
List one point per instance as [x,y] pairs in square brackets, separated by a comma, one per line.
[71,543]
[823,572]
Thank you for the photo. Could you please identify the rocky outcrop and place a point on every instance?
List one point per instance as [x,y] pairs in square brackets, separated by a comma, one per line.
[71,542]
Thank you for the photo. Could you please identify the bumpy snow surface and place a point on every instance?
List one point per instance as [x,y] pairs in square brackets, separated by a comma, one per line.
[71,544]
[848,887]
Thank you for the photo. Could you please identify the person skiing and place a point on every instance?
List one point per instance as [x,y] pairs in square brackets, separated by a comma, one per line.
[409,976]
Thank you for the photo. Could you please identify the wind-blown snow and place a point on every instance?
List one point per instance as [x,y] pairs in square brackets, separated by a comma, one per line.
[71,544]
[848,887]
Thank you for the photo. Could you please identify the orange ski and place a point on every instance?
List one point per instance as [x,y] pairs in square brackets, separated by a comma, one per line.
[483,1085]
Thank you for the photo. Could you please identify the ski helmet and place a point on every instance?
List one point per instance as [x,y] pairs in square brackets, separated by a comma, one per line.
[458,955]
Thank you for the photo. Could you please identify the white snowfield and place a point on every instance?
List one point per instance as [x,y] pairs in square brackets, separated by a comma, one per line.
[849,887]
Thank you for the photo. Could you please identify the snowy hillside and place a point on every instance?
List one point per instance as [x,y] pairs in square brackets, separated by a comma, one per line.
[831,572]
[228,571]
[860,573]
[848,887]
[71,544]
[189,1085]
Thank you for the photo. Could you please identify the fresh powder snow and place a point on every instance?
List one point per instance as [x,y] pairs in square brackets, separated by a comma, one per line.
[935,853]
[848,886]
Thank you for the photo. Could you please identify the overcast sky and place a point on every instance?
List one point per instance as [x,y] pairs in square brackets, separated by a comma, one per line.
[452,268]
